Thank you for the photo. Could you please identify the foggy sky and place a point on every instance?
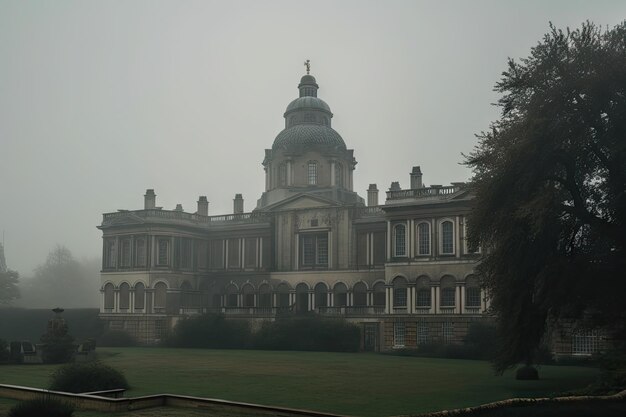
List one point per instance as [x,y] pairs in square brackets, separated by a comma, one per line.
[101,100]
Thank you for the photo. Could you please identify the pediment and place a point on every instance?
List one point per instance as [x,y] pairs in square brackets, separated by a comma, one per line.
[302,201]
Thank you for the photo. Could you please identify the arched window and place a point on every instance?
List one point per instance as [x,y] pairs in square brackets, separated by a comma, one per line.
[265,296]
[472,291]
[447,238]
[321,295]
[312,173]
[340,295]
[399,232]
[448,291]
[379,294]
[140,296]
[399,292]
[124,296]
[302,298]
[248,295]
[360,294]
[283,295]
[338,174]
[282,174]
[422,294]
[160,294]
[423,239]
[231,296]
[109,297]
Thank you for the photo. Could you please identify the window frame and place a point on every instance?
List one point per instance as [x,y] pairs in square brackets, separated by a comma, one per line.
[396,254]
[312,174]
[418,234]
[315,245]
[442,244]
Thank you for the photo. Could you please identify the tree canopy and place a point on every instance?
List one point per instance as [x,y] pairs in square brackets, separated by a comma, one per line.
[9,290]
[550,186]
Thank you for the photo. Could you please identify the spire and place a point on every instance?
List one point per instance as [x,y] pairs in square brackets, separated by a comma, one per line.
[3,263]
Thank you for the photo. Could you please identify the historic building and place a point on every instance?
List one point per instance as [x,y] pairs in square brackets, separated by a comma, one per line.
[401,270]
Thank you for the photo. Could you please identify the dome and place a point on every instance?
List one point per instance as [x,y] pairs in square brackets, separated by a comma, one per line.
[308,102]
[308,79]
[308,134]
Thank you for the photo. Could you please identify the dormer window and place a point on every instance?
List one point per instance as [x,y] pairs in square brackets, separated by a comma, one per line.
[312,173]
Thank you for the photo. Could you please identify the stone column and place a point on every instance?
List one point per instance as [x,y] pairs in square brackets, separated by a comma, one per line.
[462,299]
[457,301]
[437,298]
[388,299]
[410,299]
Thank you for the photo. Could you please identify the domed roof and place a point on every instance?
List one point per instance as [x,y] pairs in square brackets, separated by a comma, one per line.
[307,102]
[308,134]
[308,79]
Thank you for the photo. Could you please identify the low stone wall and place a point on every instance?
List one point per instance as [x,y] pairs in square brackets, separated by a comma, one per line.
[512,402]
[106,404]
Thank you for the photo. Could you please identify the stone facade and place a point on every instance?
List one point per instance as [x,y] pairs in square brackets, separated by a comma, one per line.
[401,270]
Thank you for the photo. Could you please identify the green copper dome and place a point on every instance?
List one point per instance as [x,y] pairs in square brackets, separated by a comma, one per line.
[307,135]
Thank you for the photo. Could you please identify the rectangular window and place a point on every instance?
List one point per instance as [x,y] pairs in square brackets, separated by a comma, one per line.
[185,255]
[233,253]
[400,240]
[250,254]
[163,247]
[312,173]
[380,248]
[447,332]
[399,331]
[448,297]
[140,252]
[423,239]
[125,258]
[447,238]
[422,332]
[217,254]
[202,253]
[423,297]
[361,249]
[399,297]
[585,342]
[472,297]
[109,253]
[314,250]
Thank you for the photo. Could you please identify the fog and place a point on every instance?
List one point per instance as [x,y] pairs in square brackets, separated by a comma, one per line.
[101,100]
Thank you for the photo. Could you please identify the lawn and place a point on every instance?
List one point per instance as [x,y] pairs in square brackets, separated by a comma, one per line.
[347,383]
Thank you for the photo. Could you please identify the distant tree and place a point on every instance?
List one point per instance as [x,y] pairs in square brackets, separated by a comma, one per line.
[62,281]
[550,185]
[9,290]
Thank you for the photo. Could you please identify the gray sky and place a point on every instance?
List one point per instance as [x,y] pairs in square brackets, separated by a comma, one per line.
[101,100]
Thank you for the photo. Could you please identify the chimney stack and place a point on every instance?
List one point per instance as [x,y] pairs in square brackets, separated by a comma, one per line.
[238,204]
[179,207]
[416,178]
[395,186]
[203,206]
[372,195]
[149,199]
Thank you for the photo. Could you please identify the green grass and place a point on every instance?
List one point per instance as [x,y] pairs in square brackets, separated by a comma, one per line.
[346,383]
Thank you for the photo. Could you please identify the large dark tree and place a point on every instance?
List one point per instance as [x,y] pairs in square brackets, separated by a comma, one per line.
[550,184]
[9,290]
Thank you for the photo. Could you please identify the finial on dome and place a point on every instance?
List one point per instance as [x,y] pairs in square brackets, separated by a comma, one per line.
[307,64]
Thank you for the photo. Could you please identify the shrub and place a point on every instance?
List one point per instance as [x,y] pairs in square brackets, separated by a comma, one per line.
[58,349]
[41,407]
[527,372]
[87,377]
[116,338]
[5,354]
[308,333]
[210,331]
